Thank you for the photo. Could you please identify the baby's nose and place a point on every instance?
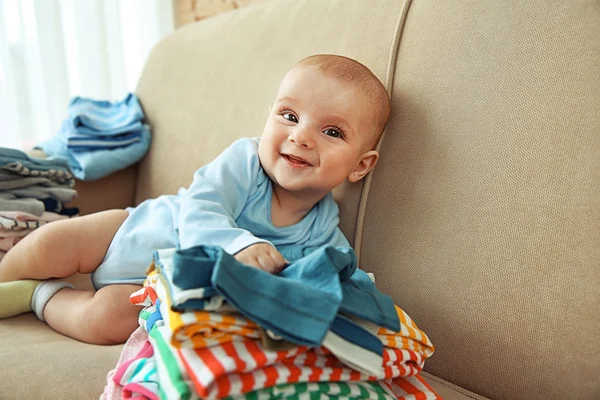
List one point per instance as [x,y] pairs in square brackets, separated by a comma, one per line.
[302,136]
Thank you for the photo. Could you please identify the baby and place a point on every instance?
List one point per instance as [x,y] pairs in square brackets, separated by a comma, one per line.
[266,200]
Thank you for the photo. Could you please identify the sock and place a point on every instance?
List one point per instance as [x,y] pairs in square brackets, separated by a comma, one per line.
[15,297]
[43,293]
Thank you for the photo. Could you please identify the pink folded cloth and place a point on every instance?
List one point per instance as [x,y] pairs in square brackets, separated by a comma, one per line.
[7,233]
[132,348]
[16,220]
[23,216]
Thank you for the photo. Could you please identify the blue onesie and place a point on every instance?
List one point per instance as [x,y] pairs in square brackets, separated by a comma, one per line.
[228,204]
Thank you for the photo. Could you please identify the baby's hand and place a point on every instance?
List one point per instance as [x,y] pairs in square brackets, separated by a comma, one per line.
[262,256]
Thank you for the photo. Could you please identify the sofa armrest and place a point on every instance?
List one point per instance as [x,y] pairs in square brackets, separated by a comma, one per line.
[114,191]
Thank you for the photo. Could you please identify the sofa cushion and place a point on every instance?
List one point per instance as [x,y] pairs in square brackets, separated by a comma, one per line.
[483,214]
[38,363]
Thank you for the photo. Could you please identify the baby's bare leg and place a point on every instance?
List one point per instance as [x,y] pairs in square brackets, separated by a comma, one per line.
[103,317]
[62,248]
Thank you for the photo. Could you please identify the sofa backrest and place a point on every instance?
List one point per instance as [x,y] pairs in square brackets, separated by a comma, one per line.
[484,214]
[482,219]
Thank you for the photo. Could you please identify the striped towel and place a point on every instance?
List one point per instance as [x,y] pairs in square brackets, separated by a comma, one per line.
[138,376]
[150,376]
[193,329]
[198,329]
[410,336]
[319,390]
[130,351]
[240,367]
[174,381]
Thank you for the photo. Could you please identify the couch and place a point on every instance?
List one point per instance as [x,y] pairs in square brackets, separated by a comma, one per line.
[482,219]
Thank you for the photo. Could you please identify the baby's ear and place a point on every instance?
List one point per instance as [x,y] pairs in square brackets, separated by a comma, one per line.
[366,163]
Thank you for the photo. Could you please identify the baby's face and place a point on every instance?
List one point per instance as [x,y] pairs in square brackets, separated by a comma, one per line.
[316,132]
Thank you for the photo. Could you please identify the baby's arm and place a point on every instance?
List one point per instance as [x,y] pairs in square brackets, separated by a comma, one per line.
[214,201]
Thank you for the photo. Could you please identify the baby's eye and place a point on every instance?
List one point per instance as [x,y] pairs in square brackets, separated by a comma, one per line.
[290,117]
[334,132]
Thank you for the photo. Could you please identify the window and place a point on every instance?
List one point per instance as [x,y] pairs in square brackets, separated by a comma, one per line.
[53,50]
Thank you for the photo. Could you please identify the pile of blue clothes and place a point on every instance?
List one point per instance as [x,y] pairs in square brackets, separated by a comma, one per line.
[33,192]
[100,137]
[35,185]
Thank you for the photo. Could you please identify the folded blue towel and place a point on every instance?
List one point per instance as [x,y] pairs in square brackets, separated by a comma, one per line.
[92,165]
[100,137]
[82,143]
[105,118]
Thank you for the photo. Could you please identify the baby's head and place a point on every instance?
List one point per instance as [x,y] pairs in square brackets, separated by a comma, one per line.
[328,116]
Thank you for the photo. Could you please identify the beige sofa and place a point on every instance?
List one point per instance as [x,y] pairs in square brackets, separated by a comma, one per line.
[482,219]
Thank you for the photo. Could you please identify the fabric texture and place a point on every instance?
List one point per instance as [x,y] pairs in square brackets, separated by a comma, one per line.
[131,348]
[483,209]
[202,297]
[100,137]
[104,119]
[239,365]
[482,217]
[93,165]
[55,169]
[303,299]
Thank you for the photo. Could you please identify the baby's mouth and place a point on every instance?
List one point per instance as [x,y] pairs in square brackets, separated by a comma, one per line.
[296,161]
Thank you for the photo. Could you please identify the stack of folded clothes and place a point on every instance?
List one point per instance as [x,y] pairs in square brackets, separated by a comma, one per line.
[33,192]
[100,137]
[212,328]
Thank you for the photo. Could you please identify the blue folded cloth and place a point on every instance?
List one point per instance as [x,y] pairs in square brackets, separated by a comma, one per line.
[92,165]
[351,332]
[105,118]
[11,157]
[100,137]
[301,303]
[82,143]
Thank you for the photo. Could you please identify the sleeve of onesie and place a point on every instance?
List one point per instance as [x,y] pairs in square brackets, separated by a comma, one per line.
[217,196]
[337,239]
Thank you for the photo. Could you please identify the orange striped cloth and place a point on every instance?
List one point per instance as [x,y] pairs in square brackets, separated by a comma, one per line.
[220,354]
[197,329]
[244,366]
[410,336]
[194,329]
[410,388]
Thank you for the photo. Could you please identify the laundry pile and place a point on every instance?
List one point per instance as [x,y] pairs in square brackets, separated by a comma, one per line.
[99,137]
[212,327]
[33,192]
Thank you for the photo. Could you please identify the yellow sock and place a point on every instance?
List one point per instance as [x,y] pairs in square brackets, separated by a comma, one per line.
[15,297]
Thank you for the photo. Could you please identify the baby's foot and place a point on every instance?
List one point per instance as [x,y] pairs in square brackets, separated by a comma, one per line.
[15,297]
